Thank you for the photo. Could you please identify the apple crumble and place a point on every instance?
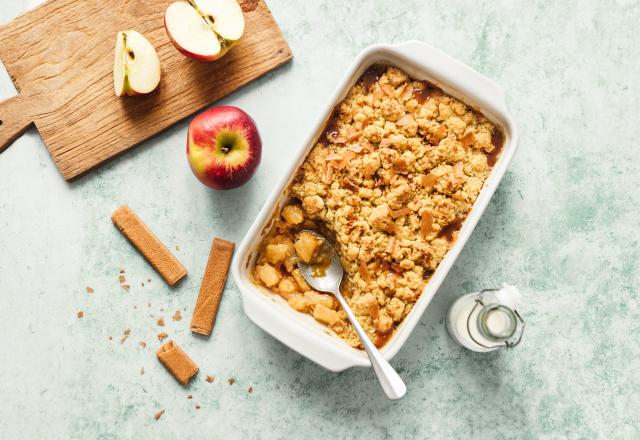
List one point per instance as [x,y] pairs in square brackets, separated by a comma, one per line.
[390,182]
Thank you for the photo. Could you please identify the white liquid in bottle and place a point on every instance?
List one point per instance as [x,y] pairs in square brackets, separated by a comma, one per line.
[484,326]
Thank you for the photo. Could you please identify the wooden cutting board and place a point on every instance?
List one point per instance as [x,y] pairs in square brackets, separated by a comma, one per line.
[60,58]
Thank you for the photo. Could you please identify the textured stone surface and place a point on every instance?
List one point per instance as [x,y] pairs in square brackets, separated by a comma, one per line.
[562,226]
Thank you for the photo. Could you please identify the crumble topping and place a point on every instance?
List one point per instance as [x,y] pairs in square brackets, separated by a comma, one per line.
[390,182]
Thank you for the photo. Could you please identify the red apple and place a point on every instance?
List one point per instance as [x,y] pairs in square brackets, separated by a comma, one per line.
[223,147]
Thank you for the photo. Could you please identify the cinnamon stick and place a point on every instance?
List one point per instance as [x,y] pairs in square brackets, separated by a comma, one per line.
[146,242]
[212,287]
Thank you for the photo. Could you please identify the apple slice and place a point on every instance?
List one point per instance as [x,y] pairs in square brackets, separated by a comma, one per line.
[204,29]
[136,67]
[224,16]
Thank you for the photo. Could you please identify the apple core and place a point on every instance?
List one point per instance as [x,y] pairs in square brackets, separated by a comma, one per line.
[231,147]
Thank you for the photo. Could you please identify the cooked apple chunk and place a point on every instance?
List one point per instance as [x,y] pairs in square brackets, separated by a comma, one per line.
[325,314]
[293,214]
[306,246]
[286,287]
[297,275]
[277,253]
[320,298]
[268,274]
[300,303]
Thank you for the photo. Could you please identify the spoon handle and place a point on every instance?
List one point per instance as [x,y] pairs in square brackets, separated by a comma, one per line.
[390,381]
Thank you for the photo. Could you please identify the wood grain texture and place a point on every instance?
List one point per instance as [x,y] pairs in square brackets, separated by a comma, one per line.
[60,57]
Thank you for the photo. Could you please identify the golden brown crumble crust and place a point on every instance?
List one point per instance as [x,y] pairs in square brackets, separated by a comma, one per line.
[390,181]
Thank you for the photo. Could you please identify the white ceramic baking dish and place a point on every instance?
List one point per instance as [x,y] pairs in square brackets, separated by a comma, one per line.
[300,331]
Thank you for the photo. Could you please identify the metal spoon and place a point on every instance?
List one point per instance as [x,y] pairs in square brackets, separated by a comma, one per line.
[328,280]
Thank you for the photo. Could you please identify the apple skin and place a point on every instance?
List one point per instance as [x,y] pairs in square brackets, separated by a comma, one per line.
[128,91]
[223,147]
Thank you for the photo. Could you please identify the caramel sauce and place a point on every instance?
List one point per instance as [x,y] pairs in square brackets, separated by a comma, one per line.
[331,128]
[319,269]
[371,75]
[321,261]
[346,183]
[421,95]
[448,230]
[392,267]
[379,340]
[497,139]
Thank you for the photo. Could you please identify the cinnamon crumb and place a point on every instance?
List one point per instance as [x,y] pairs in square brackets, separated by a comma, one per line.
[427,180]
[210,379]
[125,287]
[177,247]
[149,280]
[189,396]
[161,322]
[158,414]
[122,270]
[231,381]
[426,224]
[162,336]
[364,273]
[177,316]
[142,284]
[142,371]
[250,390]
[142,344]
[391,245]
[80,314]
[110,338]
[89,289]
[468,140]
[197,406]
[400,212]
[125,336]
[122,279]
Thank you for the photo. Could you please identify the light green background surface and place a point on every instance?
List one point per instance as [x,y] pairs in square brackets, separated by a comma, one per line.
[563,226]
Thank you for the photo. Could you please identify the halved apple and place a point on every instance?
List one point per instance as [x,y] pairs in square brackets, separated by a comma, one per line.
[136,67]
[204,29]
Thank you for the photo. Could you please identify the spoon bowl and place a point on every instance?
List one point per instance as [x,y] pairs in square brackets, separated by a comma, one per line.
[333,271]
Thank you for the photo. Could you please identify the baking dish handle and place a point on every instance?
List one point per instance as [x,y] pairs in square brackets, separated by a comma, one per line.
[445,66]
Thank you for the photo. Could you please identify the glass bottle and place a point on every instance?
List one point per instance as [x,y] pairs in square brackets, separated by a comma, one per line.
[487,320]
